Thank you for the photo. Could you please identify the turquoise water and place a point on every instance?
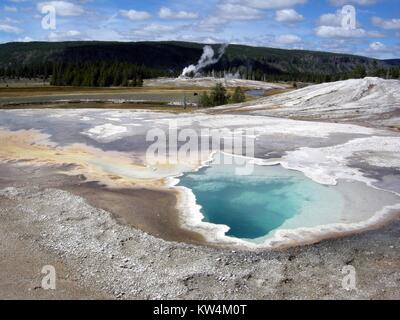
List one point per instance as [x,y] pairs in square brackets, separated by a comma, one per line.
[255,206]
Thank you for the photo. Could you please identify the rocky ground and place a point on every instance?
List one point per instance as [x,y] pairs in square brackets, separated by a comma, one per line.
[95,257]
[47,220]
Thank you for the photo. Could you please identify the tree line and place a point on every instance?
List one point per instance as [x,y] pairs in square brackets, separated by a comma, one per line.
[27,71]
[106,74]
[358,72]
[102,74]
[88,74]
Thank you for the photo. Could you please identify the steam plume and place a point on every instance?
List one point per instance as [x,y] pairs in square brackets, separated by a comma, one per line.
[207,58]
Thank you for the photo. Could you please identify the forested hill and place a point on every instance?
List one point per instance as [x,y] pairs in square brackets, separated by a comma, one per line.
[43,59]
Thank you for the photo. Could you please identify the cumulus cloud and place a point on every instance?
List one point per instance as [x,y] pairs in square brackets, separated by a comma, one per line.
[167,13]
[65,35]
[386,24]
[9,29]
[288,15]
[230,11]
[154,29]
[339,32]
[383,51]
[358,2]
[227,12]
[199,39]
[25,39]
[377,46]
[330,19]
[63,8]
[330,26]
[269,4]
[211,24]
[135,15]
[287,39]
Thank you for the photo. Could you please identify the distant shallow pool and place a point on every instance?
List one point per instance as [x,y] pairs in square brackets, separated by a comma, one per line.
[256,93]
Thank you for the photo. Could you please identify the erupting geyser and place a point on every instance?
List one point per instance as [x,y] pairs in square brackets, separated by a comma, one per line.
[207,58]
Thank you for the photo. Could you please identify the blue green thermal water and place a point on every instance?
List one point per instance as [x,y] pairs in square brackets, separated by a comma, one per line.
[271,198]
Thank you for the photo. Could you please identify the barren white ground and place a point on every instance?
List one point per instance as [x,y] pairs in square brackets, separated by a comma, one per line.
[208,82]
[122,262]
[373,101]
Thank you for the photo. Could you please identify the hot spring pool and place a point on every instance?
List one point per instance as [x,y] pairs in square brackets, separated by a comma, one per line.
[255,206]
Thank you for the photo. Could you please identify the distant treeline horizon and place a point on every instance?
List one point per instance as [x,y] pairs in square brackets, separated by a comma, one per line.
[105,64]
[131,75]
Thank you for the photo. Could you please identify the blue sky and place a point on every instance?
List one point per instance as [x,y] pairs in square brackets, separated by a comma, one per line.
[293,24]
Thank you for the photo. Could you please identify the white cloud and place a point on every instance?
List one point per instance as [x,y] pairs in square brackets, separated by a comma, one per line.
[167,13]
[65,36]
[330,26]
[230,11]
[155,29]
[288,15]
[339,32]
[199,39]
[9,29]
[135,15]
[63,8]
[382,51]
[211,24]
[386,24]
[25,39]
[358,2]
[10,9]
[330,19]
[287,39]
[377,46]
[269,4]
